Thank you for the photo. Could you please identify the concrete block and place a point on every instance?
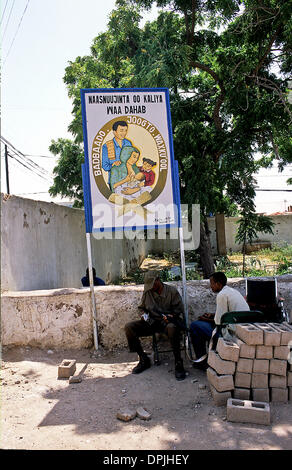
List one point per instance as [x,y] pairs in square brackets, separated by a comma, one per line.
[246,350]
[278,367]
[241,393]
[246,411]
[281,352]
[221,366]
[286,332]
[259,380]
[75,379]
[242,380]
[221,383]
[264,352]
[249,333]
[260,394]
[244,365]
[279,394]
[261,366]
[228,350]
[289,379]
[272,337]
[277,381]
[220,398]
[66,368]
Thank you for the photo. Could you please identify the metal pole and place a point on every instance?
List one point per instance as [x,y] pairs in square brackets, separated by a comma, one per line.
[183,271]
[94,318]
[7,171]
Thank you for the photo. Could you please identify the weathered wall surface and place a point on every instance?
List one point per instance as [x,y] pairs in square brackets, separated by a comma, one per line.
[43,246]
[282,231]
[61,318]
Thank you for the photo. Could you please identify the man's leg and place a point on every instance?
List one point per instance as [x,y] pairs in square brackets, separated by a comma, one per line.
[173,333]
[134,330]
[201,332]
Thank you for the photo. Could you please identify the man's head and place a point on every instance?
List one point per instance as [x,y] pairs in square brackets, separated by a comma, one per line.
[152,281]
[218,281]
[120,129]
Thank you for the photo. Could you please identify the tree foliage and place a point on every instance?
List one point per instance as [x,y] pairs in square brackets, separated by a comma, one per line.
[226,63]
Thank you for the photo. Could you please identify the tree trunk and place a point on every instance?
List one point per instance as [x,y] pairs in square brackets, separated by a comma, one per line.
[207,261]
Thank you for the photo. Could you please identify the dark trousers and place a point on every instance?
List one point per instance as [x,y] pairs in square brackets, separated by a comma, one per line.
[136,329]
[201,332]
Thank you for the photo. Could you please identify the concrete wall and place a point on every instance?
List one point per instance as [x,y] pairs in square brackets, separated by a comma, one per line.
[43,246]
[282,232]
[61,318]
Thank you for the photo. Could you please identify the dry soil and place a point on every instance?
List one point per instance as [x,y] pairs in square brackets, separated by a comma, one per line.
[42,412]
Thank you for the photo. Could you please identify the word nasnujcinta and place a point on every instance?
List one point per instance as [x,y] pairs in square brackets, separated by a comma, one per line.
[124,99]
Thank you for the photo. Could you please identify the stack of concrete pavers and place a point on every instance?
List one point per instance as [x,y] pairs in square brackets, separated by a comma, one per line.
[255,365]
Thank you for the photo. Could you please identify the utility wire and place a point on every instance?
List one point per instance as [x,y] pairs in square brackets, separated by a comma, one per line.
[3,12]
[8,19]
[16,32]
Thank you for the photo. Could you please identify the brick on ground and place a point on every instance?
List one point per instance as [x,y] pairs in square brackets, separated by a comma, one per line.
[278,367]
[221,383]
[228,350]
[249,333]
[220,398]
[242,380]
[221,366]
[261,366]
[264,352]
[247,351]
[260,394]
[241,393]
[247,411]
[244,365]
[259,380]
[277,381]
[272,337]
[286,332]
[281,352]
[279,394]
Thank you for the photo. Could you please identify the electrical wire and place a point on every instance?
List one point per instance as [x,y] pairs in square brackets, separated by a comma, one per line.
[3,12]
[8,20]
[16,32]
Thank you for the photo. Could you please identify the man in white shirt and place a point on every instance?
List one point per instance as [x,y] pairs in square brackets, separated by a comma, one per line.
[228,300]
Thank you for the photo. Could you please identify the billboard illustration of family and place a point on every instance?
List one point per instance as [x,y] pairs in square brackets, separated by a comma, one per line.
[130,174]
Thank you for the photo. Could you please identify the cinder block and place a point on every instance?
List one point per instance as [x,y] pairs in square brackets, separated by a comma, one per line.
[228,350]
[221,366]
[279,394]
[241,393]
[278,367]
[272,337]
[246,411]
[289,379]
[260,394]
[246,350]
[264,352]
[249,333]
[286,332]
[277,381]
[261,366]
[221,383]
[281,352]
[66,368]
[244,365]
[259,380]
[220,398]
[242,380]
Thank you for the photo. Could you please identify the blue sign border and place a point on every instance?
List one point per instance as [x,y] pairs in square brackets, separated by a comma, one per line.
[85,166]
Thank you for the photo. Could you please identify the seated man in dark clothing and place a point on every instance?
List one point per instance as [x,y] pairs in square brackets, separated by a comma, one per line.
[163,309]
[96,280]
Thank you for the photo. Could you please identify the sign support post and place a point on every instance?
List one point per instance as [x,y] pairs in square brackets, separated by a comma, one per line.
[94,318]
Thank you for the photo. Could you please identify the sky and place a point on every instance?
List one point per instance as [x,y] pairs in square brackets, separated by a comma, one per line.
[38,40]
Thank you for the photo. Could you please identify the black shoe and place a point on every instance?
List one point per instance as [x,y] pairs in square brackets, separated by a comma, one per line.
[203,365]
[180,373]
[142,365]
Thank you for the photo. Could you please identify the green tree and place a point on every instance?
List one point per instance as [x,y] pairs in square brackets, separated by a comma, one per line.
[226,63]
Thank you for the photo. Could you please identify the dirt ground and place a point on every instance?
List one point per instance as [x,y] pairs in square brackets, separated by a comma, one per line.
[42,412]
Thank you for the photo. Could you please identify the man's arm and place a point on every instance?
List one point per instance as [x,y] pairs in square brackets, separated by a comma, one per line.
[221,307]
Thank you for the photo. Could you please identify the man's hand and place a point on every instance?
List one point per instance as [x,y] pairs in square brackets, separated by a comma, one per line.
[117,163]
[207,317]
